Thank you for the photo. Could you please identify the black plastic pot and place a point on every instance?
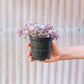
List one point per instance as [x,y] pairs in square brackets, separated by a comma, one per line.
[41,47]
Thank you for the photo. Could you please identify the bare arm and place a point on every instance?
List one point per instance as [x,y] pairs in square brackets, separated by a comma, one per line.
[63,53]
[75,52]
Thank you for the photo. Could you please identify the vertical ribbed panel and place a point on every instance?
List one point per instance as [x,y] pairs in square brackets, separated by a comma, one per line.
[15,68]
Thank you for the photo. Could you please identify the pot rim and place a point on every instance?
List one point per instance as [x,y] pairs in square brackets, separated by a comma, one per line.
[39,37]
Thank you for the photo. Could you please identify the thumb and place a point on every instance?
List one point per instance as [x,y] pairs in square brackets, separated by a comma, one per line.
[54,49]
[53,46]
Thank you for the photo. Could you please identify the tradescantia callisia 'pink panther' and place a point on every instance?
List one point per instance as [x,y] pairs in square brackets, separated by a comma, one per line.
[38,30]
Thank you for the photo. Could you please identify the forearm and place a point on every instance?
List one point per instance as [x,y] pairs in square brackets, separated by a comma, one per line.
[68,53]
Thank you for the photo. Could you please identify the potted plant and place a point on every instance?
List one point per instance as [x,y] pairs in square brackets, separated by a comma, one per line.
[41,37]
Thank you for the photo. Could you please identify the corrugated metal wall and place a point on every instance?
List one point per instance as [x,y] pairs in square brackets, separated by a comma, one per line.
[67,15]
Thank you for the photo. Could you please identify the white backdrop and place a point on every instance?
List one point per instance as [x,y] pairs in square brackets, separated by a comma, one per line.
[67,15]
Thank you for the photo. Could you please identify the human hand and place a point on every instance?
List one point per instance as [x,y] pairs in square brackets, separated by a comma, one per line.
[55,55]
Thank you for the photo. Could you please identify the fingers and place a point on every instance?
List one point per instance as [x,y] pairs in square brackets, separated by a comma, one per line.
[28,44]
[31,59]
[29,53]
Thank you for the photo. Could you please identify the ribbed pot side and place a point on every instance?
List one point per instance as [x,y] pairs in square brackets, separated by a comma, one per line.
[41,47]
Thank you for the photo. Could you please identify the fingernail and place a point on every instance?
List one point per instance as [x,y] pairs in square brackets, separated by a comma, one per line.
[28,44]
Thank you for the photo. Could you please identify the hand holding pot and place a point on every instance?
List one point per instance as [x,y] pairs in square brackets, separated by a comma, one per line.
[55,55]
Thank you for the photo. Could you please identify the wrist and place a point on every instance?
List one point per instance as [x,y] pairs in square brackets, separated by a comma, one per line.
[65,53]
